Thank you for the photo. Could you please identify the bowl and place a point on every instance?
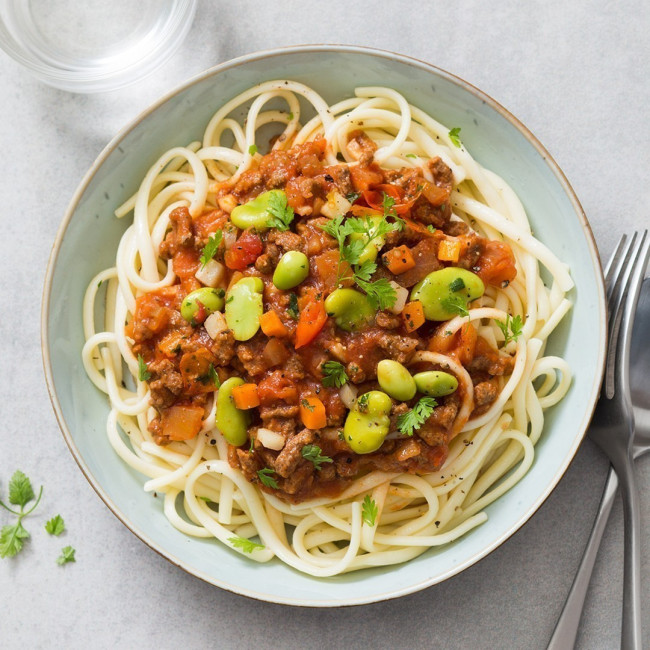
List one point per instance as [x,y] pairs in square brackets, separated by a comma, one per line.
[89,234]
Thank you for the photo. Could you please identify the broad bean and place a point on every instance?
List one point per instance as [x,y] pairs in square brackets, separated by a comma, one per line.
[231,421]
[256,213]
[440,289]
[351,309]
[367,424]
[373,247]
[211,299]
[435,383]
[396,380]
[244,307]
[291,270]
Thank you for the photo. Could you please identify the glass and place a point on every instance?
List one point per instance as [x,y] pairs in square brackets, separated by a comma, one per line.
[94,45]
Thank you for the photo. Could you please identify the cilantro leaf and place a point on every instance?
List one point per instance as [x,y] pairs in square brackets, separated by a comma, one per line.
[411,421]
[455,305]
[511,329]
[334,374]
[312,453]
[266,479]
[11,539]
[281,212]
[454,137]
[252,150]
[20,489]
[210,248]
[244,544]
[55,526]
[67,555]
[369,510]
[143,373]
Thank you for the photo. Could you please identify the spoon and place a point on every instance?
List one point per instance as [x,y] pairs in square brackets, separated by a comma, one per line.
[566,629]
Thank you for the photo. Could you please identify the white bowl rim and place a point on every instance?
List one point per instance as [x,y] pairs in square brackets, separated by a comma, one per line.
[302,49]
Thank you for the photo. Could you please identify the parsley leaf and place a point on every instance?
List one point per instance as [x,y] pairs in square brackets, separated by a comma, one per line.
[281,212]
[20,489]
[265,477]
[334,374]
[214,377]
[143,373]
[312,453]
[55,526]
[381,293]
[410,422]
[210,248]
[11,539]
[365,270]
[511,329]
[292,309]
[411,155]
[244,544]
[305,404]
[388,204]
[352,196]
[369,510]
[455,305]
[21,493]
[456,285]
[67,555]
[252,150]
[454,137]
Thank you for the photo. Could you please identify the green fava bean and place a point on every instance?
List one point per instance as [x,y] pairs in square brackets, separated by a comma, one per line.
[291,270]
[373,247]
[255,214]
[244,307]
[396,380]
[448,284]
[231,421]
[367,424]
[435,383]
[351,309]
[211,299]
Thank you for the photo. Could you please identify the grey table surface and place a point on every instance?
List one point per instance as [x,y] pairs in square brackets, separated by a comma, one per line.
[577,74]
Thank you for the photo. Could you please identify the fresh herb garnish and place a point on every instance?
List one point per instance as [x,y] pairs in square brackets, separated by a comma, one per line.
[20,494]
[411,155]
[511,329]
[411,421]
[292,309]
[456,285]
[55,526]
[214,376]
[455,305]
[369,510]
[143,373]
[244,544]
[305,404]
[362,403]
[431,228]
[312,453]
[454,137]
[352,196]
[210,248]
[281,212]
[334,374]
[252,150]
[265,477]
[67,555]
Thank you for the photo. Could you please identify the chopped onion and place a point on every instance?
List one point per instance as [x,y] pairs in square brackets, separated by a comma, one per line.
[229,237]
[402,296]
[336,204]
[270,439]
[211,274]
[348,395]
[214,324]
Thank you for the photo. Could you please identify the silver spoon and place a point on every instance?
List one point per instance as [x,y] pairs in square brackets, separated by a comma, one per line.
[566,629]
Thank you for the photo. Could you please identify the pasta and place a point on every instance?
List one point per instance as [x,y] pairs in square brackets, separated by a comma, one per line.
[380,517]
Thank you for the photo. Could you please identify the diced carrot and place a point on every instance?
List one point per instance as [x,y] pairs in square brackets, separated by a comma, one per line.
[245,396]
[413,315]
[311,321]
[398,260]
[466,344]
[181,421]
[272,325]
[312,412]
[449,250]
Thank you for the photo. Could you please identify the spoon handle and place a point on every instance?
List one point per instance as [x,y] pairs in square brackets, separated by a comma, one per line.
[566,628]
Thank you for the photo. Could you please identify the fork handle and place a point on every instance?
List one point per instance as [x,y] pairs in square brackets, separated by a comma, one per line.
[631,625]
[566,628]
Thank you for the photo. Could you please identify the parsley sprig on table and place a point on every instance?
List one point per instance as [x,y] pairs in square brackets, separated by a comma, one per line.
[55,526]
[380,292]
[12,536]
[412,420]
[67,555]
[511,329]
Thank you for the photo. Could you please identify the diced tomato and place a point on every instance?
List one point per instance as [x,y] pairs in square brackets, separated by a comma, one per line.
[375,198]
[186,262]
[311,321]
[496,264]
[364,177]
[276,387]
[244,252]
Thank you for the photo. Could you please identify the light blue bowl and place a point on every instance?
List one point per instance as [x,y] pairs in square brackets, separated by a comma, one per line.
[88,238]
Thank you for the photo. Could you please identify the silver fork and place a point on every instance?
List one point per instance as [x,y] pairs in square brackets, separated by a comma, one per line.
[613,430]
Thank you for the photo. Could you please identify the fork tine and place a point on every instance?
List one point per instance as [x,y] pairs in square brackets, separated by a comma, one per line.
[615,264]
[624,289]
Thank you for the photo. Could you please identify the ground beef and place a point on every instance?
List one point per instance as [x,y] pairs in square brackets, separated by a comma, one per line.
[484,395]
[388,320]
[223,347]
[361,147]
[435,430]
[166,383]
[287,240]
[251,356]
[290,456]
[180,234]
[425,255]
[278,411]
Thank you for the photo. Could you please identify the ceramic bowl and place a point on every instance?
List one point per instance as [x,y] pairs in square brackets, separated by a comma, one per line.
[87,240]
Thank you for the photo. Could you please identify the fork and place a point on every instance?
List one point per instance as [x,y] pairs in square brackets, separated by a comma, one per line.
[613,430]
